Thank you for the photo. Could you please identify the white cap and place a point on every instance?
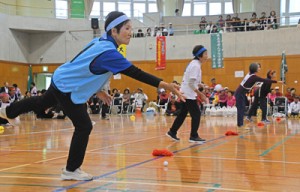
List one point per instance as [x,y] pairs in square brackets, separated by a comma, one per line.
[162,90]
[276,88]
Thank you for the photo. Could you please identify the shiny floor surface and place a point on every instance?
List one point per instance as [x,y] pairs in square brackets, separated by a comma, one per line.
[119,155]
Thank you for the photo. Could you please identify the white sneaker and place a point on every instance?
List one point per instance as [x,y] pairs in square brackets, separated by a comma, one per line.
[78,175]
[15,121]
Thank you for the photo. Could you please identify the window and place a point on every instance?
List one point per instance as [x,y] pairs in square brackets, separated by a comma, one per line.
[95,10]
[152,7]
[186,9]
[108,7]
[289,12]
[215,9]
[200,9]
[61,9]
[207,7]
[125,8]
[138,10]
[294,6]
[228,8]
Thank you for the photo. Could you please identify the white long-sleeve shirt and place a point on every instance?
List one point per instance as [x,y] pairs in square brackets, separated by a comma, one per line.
[294,107]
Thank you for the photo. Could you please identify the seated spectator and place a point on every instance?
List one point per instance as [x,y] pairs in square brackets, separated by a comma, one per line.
[126,99]
[4,102]
[230,99]
[288,95]
[213,82]
[245,25]
[221,22]
[173,107]
[236,22]
[94,104]
[222,98]
[214,29]
[18,91]
[4,89]
[33,89]
[149,32]
[209,27]
[272,20]
[164,32]
[263,21]
[163,97]
[170,30]
[294,107]
[27,94]
[13,97]
[278,93]
[271,96]
[253,25]
[140,98]
[139,33]
[203,23]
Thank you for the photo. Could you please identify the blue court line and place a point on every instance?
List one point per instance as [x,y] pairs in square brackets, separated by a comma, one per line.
[275,145]
[130,166]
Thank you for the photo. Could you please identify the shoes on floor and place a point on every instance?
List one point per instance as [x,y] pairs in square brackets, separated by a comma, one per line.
[172,136]
[77,175]
[196,140]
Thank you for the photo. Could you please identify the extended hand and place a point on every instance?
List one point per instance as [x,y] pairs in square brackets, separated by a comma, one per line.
[105,98]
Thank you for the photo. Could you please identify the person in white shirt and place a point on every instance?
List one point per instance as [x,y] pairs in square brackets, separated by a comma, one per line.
[140,98]
[190,88]
[294,107]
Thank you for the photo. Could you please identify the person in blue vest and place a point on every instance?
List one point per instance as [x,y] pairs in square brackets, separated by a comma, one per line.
[74,82]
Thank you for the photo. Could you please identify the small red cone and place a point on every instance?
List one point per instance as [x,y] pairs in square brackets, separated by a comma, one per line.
[260,124]
[228,133]
[162,152]
[278,119]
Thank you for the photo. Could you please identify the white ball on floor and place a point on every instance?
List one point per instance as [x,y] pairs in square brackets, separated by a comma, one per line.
[166,163]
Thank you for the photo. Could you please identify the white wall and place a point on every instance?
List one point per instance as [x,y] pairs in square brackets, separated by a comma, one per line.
[27,39]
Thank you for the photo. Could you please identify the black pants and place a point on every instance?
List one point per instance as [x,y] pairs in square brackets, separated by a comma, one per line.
[104,110]
[76,112]
[263,106]
[192,107]
[240,105]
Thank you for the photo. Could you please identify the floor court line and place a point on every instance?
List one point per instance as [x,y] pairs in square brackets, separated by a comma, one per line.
[130,166]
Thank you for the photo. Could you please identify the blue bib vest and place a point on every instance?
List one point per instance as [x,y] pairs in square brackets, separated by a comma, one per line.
[75,76]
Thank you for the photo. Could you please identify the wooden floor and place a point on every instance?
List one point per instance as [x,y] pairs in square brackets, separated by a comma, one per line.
[119,156]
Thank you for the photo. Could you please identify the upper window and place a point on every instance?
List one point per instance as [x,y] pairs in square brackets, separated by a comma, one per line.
[289,12]
[61,9]
[207,7]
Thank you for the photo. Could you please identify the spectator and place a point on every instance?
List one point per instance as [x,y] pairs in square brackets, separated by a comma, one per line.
[294,107]
[165,32]
[278,93]
[140,98]
[170,30]
[272,20]
[203,23]
[163,97]
[236,22]
[263,21]
[209,27]
[33,89]
[214,29]
[253,25]
[139,33]
[230,99]
[222,98]
[213,82]
[173,107]
[220,22]
[245,25]
[149,32]
[177,12]
[4,89]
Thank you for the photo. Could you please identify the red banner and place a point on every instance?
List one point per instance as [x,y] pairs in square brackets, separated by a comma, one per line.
[160,53]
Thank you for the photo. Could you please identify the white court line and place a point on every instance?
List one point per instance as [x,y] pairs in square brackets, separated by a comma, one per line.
[5,169]
[38,132]
[177,185]
[24,177]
